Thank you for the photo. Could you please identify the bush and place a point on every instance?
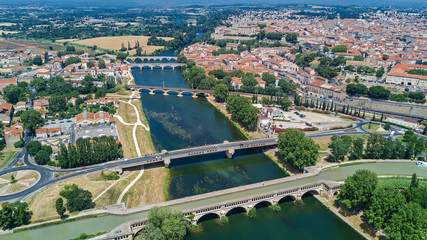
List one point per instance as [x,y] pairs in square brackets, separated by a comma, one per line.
[300,108]
[252,212]
[111,176]
[18,144]
[275,208]
[224,220]
[299,202]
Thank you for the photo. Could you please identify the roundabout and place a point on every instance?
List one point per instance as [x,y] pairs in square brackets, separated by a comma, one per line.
[17,181]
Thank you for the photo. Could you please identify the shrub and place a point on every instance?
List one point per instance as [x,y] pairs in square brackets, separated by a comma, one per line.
[275,208]
[299,202]
[224,220]
[18,144]
[252,212]
[300,108]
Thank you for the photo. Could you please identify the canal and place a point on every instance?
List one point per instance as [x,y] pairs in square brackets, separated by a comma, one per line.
[178,122]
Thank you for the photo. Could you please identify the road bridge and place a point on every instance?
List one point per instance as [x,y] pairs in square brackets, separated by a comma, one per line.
[146,59]
[153,65]
[228,147]
[167,90]
[326,188]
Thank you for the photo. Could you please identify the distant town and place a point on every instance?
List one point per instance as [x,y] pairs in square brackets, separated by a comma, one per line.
[129,111]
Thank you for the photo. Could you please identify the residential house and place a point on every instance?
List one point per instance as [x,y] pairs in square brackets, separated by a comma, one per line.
[86,119]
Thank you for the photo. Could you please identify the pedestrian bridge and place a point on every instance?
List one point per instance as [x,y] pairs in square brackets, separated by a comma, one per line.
[227,207]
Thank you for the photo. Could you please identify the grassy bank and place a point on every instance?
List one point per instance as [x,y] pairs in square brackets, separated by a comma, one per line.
[243,131]
[58,222]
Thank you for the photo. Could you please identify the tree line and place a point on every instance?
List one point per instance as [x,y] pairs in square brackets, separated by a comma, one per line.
[242,110]
[400,213]
[88,151]
[376,147]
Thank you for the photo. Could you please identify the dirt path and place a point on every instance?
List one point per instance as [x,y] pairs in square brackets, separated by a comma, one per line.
[119,200]
[135,125]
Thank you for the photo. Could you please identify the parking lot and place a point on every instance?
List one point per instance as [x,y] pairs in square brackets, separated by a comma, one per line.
[55,142]
[99,131]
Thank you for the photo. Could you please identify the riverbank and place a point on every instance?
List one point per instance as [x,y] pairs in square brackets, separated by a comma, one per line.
[136,140]
[353,220]
[223,110]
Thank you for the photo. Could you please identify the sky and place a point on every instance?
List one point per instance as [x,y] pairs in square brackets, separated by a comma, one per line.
[170,3]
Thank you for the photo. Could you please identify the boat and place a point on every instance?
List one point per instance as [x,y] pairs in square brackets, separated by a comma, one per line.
[422,164]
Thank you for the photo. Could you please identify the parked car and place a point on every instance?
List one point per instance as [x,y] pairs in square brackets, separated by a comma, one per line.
[84,168]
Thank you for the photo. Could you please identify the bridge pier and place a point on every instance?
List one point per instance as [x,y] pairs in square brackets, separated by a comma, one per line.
[229,153]
[194,95]
[167,162]
[179,94]
[165,93]
[151,92]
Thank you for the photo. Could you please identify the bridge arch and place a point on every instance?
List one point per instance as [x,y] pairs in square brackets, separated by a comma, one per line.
[264,203]
[208,216]
[236,210]
[137,60]
[310,192]
[287,198]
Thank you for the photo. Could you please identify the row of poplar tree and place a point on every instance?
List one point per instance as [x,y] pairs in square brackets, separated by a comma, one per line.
[89,151]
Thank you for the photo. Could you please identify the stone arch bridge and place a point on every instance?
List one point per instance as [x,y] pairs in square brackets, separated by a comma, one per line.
[168,90]
[158,65]
[326,188]
[146,59]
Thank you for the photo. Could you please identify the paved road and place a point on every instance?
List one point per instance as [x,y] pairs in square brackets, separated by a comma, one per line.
[47,173]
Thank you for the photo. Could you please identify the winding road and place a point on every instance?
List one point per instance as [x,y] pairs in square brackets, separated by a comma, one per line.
[47,173]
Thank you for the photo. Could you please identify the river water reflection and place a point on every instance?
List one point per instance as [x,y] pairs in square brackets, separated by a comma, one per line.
[180,122]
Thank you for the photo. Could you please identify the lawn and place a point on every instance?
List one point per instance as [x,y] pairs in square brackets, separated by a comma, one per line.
[6,155]
[374,128]
[399,182]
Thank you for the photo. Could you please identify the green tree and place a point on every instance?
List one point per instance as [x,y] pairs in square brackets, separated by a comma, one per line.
[378,92]
[338,150]
[18,144]
[383,204]
[37,61]
[297,149]
[101,63]
[357,149]
[33,147]
[242,110]
[268,79]
[32,120]
[14,214]
[164,223]
[39,84]
[285,103]
[60,209]
[387,126]
[47,149]
[358,188]
[72,60]
[121,56]
[339,48]
[221,92]
[11,93]
[42,157]
[77,199]
[409,222]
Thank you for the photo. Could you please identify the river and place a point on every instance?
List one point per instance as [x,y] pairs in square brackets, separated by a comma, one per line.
[178,122]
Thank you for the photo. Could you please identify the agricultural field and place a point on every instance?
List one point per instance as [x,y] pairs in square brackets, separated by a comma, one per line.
[115,43]
[17,44]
